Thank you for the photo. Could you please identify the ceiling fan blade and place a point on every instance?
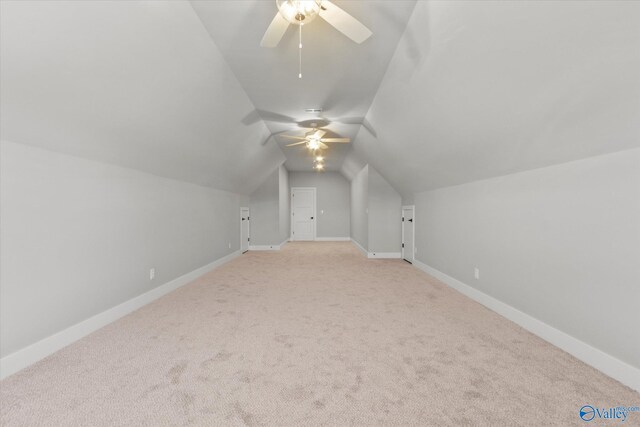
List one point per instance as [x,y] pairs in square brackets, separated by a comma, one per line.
[319,133]
[296,143]
[343,22]
[298,138]
[323,146]
[341,140]
[273,135]
[276,30]
[270,116]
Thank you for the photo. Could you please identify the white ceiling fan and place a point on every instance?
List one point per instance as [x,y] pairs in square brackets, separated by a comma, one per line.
[301,12]
[314,140]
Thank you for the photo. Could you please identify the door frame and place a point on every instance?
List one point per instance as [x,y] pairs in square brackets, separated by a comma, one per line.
[242,209]
[413,255]
[315,207]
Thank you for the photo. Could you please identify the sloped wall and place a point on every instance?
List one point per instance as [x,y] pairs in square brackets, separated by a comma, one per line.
[147,89]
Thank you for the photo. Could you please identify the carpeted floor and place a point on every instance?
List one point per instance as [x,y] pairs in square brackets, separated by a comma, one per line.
[314,334]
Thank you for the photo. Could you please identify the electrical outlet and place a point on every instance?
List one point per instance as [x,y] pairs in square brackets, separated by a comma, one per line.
[476,273]
[152,273]
[415,250]
[229,245]
[321,211]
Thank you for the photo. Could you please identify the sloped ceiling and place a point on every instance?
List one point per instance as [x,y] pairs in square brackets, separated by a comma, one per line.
[479,89]
[473,89]
[339,76]
[133,83]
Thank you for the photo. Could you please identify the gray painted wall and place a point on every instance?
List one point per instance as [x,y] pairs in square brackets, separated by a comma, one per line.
[359,208]
[561,244]
[375,212]
[78,237]
[385,211]
[269,205]
[264,204]
[284,204]
[333,206]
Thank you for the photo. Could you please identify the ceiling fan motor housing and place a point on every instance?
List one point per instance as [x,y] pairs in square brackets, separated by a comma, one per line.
[299,12]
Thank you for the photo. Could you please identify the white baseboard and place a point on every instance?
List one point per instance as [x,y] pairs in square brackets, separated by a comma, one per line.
[391,255]
[333,239]
[609,365]
[363,250]
[268,247]
[20,359]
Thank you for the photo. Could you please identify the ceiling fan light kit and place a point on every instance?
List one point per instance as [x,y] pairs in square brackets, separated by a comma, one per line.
[314,140]
[301,12]
[313,144]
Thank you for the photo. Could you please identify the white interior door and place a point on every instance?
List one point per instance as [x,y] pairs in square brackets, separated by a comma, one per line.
[408,233]
[244,229]
[303,213]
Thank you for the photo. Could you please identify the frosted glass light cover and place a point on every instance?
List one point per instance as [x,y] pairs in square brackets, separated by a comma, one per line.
[299,12]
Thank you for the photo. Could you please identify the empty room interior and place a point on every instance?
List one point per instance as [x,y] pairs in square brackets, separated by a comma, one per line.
[314,212]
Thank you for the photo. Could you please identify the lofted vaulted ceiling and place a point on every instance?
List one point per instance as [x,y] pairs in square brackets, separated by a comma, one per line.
[478,89]
[452,91]
[138,84]
[339,76]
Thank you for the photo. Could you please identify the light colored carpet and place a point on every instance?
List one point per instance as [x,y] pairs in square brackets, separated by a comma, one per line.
[315,334]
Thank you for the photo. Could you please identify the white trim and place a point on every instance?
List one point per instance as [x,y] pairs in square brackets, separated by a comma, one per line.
[264,247]
[392,255]
[333,239]
[22,358]
[611,366]
[363,250]
[315,213]
[268,247]
[413,217]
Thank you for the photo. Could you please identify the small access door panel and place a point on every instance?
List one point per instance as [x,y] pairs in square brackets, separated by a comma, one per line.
[244,229]
[408,233]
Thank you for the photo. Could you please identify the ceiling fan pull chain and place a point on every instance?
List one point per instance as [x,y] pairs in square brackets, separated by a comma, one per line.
[300,54]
